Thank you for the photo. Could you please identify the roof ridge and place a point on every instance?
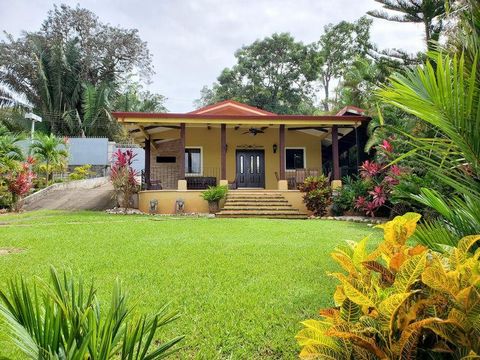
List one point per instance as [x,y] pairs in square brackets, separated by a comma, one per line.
[233,102]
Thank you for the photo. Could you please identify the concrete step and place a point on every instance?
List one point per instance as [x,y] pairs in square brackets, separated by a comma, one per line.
[256,211]
[261,204]
[256,204]
[256,194]
[281,198]
[266,216]
[261,208]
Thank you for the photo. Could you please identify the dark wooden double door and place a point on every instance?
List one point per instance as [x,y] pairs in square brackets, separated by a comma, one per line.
[250,168]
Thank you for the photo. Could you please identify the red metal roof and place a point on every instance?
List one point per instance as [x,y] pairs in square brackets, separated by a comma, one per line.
[352,110]
[235,107]
[246,113]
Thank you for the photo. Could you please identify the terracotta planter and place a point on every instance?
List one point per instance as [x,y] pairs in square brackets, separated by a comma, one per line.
[213,207]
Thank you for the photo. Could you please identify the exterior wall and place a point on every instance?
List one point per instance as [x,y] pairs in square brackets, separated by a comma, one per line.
[209,141]
[194,202]
[167,198]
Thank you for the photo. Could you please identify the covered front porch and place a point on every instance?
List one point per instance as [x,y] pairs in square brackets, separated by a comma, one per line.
[241,146]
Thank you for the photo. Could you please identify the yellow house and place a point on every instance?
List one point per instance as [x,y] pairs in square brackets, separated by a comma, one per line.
[259,155]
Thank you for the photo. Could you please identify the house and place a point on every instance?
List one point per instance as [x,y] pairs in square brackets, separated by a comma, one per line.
[236,144]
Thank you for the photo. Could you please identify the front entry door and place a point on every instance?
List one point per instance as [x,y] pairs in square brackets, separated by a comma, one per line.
[250,168]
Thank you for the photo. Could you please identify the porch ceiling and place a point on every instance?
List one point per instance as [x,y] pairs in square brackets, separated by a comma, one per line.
[166,132]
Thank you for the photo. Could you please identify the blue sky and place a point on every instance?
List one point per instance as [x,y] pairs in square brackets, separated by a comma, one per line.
[192,41]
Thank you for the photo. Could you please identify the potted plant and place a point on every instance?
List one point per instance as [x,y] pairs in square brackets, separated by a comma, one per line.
[213,195]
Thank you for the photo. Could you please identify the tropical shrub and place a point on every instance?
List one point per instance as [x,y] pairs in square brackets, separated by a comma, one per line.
[124,177]
[19,183]
[213,195]
[81,172]
[50,152]
[444,95]
[400,301]
[63,319]
[379,180]
[317,194]
[343,199]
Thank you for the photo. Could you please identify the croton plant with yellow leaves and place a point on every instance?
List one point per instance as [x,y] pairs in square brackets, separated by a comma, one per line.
[400,301]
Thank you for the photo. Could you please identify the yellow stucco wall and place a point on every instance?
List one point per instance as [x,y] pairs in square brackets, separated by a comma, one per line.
[209,141]
[194,202]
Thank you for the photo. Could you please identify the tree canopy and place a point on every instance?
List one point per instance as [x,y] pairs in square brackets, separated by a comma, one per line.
[337,50]
[430,13]
[72,68]
[274,73]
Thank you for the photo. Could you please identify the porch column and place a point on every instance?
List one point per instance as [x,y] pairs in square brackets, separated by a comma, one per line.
[335,157]
[182,183]
[281,146]
[146,170]
[223,152]
[360,138]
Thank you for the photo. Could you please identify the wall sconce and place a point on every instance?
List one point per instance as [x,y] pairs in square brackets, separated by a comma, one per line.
[275,147]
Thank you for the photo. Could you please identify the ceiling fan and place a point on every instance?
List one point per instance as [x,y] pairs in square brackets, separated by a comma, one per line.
[255,131]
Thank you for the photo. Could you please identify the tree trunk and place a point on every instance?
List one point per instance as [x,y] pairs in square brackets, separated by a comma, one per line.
[325,101]
[47,177]
[427,34]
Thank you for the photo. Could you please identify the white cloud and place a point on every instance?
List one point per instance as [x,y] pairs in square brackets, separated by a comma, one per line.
[193,40]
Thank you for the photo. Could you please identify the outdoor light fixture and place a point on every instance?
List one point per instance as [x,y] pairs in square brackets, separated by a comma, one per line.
[275,147]
[34,118]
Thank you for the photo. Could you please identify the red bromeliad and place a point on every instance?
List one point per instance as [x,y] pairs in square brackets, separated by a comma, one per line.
[369,169]
[387,146]
[21,182]
[380,178]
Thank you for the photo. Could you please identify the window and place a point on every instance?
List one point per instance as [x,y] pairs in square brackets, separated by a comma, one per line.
[294,158]
[166,159]
[193,161]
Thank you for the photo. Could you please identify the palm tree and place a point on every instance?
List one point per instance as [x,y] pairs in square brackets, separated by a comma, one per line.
[445,94]
[49,149]
[10,150]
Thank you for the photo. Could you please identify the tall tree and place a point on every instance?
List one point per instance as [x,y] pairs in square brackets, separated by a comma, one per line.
[274,74]
[337,49]
[53,67]
[430,13]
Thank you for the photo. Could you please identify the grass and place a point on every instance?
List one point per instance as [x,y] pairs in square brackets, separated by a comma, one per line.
[242,285]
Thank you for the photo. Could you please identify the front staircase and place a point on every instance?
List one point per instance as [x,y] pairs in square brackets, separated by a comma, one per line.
[260,204]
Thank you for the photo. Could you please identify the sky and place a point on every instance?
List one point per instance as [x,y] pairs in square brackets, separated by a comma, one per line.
[192,41]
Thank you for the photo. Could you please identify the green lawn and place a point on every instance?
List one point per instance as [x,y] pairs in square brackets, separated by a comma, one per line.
[242,285]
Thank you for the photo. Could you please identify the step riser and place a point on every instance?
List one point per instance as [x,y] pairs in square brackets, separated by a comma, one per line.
[258,208]
[283,201]
[259,212]
[290,217]
[255,203]
[256,197]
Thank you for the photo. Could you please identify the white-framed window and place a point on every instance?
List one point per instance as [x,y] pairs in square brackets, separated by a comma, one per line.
[295,158]
[193,160]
